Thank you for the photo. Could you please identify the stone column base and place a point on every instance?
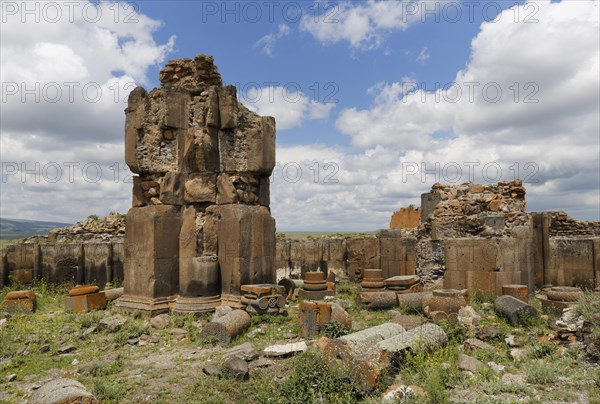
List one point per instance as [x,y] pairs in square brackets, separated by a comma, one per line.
[314,294]
[184,305]
[231,301]
[147,306]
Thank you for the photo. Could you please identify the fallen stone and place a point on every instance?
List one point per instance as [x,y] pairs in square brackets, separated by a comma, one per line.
[23,351]
[236,368]
[468,317]
[66,349]
[262,363]
[221,311]
[160,322]
[514,310]
[289,335]
[408,321]
[44,348]
[466,362]
[225,328]
[489,332]
[282,350]
[113,294]
[350,346]
[401,393]
[62,391]
[3,323]
[178,331]
[255,333]
[89,331]
[496,367]
[133,341]
[379,359]
[112,323]
[344,304]
[472,344]
[212,370]
[10,378]
[246,351]
[515,340]
[413,301]
[509,378]
[378,300]
[518,353]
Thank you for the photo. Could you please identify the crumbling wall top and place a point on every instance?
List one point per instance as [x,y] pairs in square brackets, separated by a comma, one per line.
[199,73]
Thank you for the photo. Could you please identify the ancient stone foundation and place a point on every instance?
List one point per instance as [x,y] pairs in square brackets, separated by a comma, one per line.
[200,225]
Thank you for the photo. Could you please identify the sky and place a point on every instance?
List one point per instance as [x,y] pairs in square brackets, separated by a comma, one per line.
[374,101]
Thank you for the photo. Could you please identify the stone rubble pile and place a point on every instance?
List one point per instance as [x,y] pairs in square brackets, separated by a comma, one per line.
[110,228]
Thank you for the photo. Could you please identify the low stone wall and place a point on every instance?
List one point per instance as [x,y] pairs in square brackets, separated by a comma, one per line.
[562,225]
[82,263]
[347,258]
[534,255]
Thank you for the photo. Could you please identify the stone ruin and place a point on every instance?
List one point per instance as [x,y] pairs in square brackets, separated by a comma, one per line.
[200,224]
[469,236]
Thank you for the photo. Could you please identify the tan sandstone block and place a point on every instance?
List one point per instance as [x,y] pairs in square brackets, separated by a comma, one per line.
[134,121]
[200,188]
[228,107]
[172,188]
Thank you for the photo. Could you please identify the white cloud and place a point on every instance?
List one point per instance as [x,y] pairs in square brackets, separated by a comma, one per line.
[363,24]
[287,104]
[553,143]
[423,55]
[65,83]
[267,42]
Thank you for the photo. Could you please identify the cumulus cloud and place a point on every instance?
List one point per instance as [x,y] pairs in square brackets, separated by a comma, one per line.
[364,25]
[66,72]
[543,130]
[267,42]
[287,104]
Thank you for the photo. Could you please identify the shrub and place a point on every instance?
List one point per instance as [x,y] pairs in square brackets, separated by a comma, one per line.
[540,372]
[540,350]
[455,331]
[334,330]
[312,381]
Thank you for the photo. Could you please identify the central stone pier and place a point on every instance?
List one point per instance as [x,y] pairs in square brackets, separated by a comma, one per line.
[200,224]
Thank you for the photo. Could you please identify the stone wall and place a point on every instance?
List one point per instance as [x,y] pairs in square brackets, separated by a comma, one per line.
[406,218]
[82,263]
[480,237]
[562,225]
[473,210]
[347,257]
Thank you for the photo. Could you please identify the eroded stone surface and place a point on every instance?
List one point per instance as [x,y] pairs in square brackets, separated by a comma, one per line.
[203,162]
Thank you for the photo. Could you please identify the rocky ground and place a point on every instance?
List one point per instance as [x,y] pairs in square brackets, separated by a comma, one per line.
[163,360]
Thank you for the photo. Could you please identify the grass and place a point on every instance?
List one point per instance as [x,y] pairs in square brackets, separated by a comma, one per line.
[6,243]
[171,371]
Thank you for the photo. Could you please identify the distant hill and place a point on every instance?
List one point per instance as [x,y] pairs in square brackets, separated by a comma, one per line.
[18,228]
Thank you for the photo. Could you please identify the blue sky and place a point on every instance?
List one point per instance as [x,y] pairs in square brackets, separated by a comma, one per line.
[384,98]
[325,72]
